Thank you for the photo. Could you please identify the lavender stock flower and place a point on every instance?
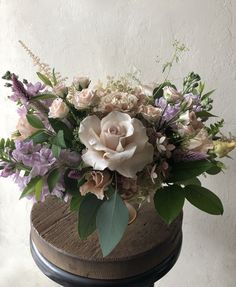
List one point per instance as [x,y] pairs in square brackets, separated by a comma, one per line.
[169,110]
[34,89]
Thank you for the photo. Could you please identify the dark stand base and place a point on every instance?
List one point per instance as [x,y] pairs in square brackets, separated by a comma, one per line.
[66,279]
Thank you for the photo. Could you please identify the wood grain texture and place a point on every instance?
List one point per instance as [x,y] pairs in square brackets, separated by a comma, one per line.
[146,242]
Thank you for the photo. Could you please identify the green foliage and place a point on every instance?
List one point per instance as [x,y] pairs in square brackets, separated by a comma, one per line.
[45,79]
[190,181]
[58,125]
[54,77]
[32,187]
[38,189]
[34,121]
[112,220]
[58,139]
[214,129]
[204,199]
[6,146]
[187,170]
[39,137]
[43,97]
[169,202]
[204,115]
[75,202]
[53,178]
[87,215]
[191,82]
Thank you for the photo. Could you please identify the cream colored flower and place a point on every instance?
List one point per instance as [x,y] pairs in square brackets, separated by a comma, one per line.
[222,148]
[81,83]
[150,113]
[171,95]
[116,142]
[82,100]
[200,142]
[60,89]
[58,109]
[97,183]
[24,128]
[118,101]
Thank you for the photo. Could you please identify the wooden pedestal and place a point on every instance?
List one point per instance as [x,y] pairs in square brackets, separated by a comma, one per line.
[148,250]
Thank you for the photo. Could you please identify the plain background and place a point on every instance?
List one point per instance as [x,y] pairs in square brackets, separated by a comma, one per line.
[110,37]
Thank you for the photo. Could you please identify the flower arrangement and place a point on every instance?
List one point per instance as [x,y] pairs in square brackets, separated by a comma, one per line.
[97,147]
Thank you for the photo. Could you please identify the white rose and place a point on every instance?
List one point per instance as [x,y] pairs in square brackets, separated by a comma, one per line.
[171,95]
[81,83]
[24,128]
[58,109]
[117,142]
[83,99]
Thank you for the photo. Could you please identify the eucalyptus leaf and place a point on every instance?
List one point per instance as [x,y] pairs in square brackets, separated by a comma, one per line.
[204,199]
[186,170]
[53,178]
[112,220]
[87,215]
[34,121]
[169,202]
[58,125]
[45,79]
[75,202]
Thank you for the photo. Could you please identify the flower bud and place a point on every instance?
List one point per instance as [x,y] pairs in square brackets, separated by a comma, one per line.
[81,83]
[171,95]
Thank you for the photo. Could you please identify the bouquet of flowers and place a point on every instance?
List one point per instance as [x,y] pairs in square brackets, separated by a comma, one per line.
[100,146]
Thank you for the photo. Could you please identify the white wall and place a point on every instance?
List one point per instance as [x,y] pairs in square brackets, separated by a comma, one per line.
[110,37]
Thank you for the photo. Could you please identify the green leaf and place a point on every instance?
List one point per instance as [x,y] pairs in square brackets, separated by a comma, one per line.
[59,139]
[35,121]
[30,188]
[208,94]
[38,189]
[44,79]
[75,202]
[112,220]
[186,170]
[204,199]
[44,97]
[71,185]
[56,150]
[58,125]
[204,114]
[194,181]
[38,137]
[214,170]
[87,215]
[169,202]
[53,178]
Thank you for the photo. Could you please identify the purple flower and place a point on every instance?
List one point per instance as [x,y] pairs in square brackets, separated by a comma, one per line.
[39,158]
[170,110]
[70,158]
[196,101]
[7,171]
[180,155]
[34,89]
[19,91]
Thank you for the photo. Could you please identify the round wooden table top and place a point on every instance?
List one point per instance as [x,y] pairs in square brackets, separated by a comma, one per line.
[146,243]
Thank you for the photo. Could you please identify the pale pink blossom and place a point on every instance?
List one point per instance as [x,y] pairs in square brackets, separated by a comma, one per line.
[25,129]
[58,109]
[83,99]
[96,183]
[117,142]
[81,83]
